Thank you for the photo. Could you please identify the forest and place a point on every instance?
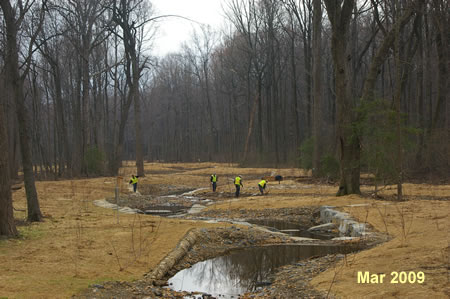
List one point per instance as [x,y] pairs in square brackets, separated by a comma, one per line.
[340,87]
[299,150]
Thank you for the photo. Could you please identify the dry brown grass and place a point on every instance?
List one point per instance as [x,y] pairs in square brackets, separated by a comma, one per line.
[421,248]
[80,244]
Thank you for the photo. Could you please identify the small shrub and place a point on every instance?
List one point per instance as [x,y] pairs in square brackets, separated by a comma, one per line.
[94,159]
[329,167]
[377,130]
[306,154]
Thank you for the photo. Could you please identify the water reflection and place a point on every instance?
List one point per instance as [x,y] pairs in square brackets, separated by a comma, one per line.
[244,270]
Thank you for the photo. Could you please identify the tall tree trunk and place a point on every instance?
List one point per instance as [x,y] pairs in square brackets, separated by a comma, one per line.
[85,103]
[118,150]
[12,134]
[250,127]
[34,212]
[317,83]
[137,119]
[442,45]
[7,225]
[295,110]
[15,82]
[62,127]
[77,136]
[349,147]
[419,106]
[308,81]
[212,148]
[133,72]
[397,105]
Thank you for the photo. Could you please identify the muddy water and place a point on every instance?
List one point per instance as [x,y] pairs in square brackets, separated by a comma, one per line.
[291,229]
[244,270]
[177,203]
[164,210]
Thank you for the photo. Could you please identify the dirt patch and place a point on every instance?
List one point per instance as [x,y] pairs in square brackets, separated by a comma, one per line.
[291,221]
[304,216]
[162,189]
[143,203]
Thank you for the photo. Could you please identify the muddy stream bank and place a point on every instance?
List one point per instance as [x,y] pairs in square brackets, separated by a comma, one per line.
[255,257]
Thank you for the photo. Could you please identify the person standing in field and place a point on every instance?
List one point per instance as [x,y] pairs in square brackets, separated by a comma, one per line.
[134,181]
[238,184]
[214,182]
[262,185]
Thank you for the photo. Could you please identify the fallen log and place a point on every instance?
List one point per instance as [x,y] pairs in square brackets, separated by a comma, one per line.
[175,255]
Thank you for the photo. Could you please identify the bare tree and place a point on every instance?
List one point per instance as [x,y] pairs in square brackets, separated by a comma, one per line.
[302,10]
[317,83]
[86,22]
[249,20]
[339,14]
[7,224]
[125,15]
[15,81]
[200,60]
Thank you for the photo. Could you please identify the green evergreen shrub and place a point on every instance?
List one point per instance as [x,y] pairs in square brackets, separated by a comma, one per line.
[94,159]
[329,167]
[376,127]
[306,154]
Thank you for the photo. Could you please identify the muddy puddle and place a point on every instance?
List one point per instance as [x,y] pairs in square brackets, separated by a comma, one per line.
[245,270]
[164,210]
[176,203]
[292,229]
[189,204]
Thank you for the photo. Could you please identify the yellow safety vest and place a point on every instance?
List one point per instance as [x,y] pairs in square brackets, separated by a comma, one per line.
[237,181]
[134,180]
[214,178]
[262,183]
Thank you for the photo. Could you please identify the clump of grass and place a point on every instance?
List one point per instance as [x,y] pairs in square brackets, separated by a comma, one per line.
[31,232]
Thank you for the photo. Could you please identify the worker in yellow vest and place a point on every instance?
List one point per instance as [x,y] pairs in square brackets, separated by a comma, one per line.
[214,182]
[238,184]
[262,185]
[134,181]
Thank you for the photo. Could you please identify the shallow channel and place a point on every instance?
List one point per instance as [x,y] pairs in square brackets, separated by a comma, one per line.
[175,204]
[245,270]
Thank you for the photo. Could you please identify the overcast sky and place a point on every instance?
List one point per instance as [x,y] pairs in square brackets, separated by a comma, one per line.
[173,31]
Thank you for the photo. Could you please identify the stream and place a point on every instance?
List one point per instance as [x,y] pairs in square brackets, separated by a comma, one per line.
[245,270]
